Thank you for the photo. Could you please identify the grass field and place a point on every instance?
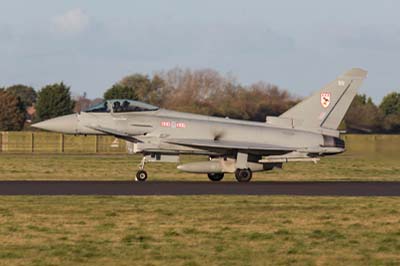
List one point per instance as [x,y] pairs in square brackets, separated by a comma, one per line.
[208,230]
[369,157]
[200,230]
[123,167]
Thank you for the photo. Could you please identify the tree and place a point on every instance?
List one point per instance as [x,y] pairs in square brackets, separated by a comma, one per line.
[81,103]
[139,84]
[391,104]
[54,100]
[267,99]
[138,87]
[118,91]
[390,107]
[198,91]
[26,94]
[206,91]
[156,92]
[12,114]
[391,123]
[363,115]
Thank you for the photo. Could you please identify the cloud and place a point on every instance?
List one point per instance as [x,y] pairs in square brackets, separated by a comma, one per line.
[73,21]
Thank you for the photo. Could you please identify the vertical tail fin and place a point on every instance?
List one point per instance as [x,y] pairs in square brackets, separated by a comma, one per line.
[327,107]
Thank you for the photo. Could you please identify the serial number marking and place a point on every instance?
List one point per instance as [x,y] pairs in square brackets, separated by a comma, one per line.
[173,124]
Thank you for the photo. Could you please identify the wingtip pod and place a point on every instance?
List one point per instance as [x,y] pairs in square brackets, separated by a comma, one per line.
[355,73]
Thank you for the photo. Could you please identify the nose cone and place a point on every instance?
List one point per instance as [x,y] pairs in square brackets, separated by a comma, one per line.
[63,124]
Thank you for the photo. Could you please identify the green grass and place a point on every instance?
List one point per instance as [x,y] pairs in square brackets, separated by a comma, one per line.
[123,167]
[368,157]
[201,230]
[208,230]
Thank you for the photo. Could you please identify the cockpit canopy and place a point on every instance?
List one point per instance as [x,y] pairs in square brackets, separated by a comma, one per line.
[121,106]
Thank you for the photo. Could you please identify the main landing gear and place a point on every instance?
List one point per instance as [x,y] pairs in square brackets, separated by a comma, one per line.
[243,175]
[141,175]
[215,176]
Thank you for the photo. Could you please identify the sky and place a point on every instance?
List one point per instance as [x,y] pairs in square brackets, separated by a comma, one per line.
[298,45]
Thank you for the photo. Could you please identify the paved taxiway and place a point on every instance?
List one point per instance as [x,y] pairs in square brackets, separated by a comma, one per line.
[199,188]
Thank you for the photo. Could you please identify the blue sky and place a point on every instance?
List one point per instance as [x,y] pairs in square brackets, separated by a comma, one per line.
[297,45]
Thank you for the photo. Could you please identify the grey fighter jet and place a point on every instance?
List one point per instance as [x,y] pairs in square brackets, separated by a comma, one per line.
[304,133]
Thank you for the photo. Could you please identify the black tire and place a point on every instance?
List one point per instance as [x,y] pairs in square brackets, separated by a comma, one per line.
[243,175]
[141,175]
[215,176]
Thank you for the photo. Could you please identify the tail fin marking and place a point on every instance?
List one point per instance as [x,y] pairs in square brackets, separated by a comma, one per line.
[327,107]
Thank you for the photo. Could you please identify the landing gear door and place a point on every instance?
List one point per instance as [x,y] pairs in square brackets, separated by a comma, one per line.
[162,158]
[140,147]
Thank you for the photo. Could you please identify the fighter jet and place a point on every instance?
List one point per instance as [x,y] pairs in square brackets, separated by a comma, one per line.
[304,133]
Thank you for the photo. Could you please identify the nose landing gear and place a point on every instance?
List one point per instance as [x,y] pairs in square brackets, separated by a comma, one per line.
[141,175]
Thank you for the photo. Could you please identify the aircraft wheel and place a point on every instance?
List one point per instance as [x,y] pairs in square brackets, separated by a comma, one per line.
[243,175]
[215,176]
[141,175]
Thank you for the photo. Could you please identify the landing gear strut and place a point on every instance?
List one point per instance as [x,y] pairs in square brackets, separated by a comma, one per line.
[243,175]
[215,176]
[141,175]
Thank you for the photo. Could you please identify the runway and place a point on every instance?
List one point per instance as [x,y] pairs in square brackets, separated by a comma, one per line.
[199,188]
